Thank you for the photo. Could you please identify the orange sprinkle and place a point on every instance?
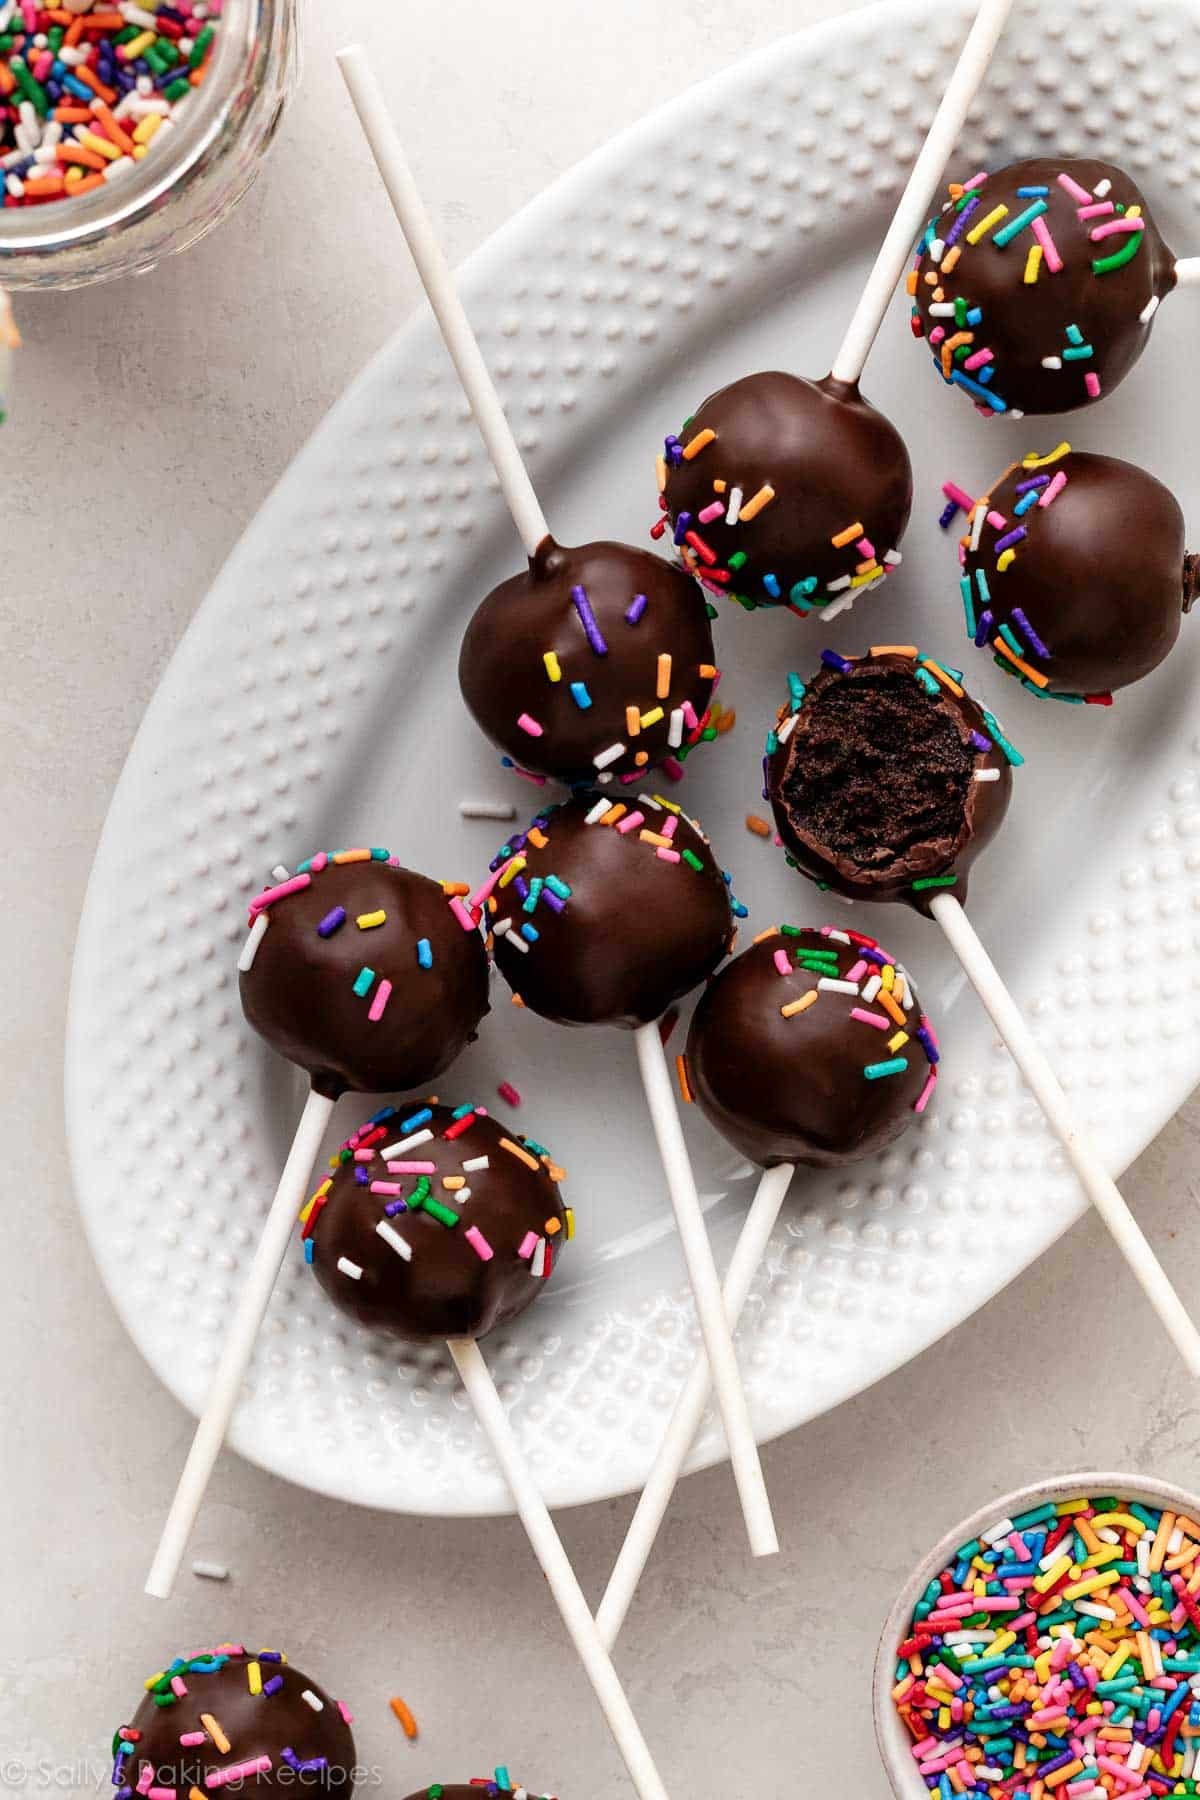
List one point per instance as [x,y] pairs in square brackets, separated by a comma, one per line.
[75,153]
[614,813]
[517,1000]
[113,128]
[82,73]
[947,681]
[633,721]
[404,1715]
[849,535]
[521,1155]
[642,758]
[726,721]
[450,888]
[551,1227]
[538,838]
[770,932]
[656,838]
[707,671]
[910,286]
[951,257]
[890,1006]
[46,184]
[87,183]
[685,1086]
[72,115]
[894,650]
[759,827]
[1037,679]
[701,440]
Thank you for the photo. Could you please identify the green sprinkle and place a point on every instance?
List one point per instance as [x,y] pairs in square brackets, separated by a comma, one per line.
[969,605]
[895,1066]
[557,887]
[791,930]
[772,743]
[178,89]
[200,47]
[796,688]
[1012,640]
[1014,227]
[738,560]
[419,1195]
[32,90]
[362,982]
[1013,754]
[934,881]
[926,680]
[693,861]
[1105,264]
[443,1214]
[710,609]
[1078,353]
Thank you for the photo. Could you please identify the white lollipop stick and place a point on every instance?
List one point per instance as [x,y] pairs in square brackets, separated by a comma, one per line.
[689,1410]
[438,283]
[1097,1183]
[912,213]
[239,1343]
[552,1558]
[1187,271]
[706,1288]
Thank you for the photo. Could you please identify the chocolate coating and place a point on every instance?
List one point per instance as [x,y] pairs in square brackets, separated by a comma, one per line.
[1096,584]
[439,1791]
[582,715]
[875,781]
[644,921]
[1040,331]
[832,461]
[793,1090]
[280,1725]
[299,993]
[449,1285]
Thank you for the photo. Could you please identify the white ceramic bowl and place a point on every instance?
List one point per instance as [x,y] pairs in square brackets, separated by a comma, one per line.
[895,1745]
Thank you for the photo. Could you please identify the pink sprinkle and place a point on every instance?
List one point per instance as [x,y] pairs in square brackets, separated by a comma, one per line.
[485,887]
[1077,193]
[1091,382]
[997,520]
[528,775]
[160,1793]
[319,861]
[269,895]
[975,181]
[858,971]
[936,336]
[191,1738]
[460,912]
[665,855]
[364,1156]
[630,822]
[508,1093]
[383,994]
[709,513]
[977,361]
[528,1245]
[235,1772]
[1054,490]
[529,725]
[672,768]
[671,826]
[689,715]
[1041,232]
[145,1779]
[926,1092]
[1019,1547]
[865,547]
[1117,226]
[479,1243]
[869,1018]
[178,1686]
[43,65]
[782,962]
[955,493]
[347,1716]
[1097,209]
[391,1188]
[412,1168]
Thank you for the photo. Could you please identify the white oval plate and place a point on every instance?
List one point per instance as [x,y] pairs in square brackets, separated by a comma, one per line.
[314,698]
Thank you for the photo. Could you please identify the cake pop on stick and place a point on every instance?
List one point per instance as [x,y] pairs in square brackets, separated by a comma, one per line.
[500,1782]
[808,1048]
[1074,572]
[369,977]
[886,781]
[604,912]
[785,492]
[439,1223]
[597,663]
[1035,288]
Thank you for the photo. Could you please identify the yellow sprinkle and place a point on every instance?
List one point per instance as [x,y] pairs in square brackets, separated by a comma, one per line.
[254,1677]
[887,976]
[1033,263]
[849,536]
[454,1182]
[143,132]
[368,921]
[1104,1553]
[570,1217]
[153,1680]
[651,718]
[701,440]
[1116,1660]
[798,1006]
[1005,560]
[858,581]
[894,1043]
[894,650]
[1091,1585]
[660,468]
[752,507]
[552,669]
[1046,1580]
[672,806]
[1133,212]
[516,1150]
[987,224]
[1034,461]
[100,145]
[139,44]
[215,1733]
[633,721]
[664,676]
[511,872]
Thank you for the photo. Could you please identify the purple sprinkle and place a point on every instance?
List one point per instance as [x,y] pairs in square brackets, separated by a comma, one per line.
[270,1656]
[1010,538]
[361,1176]
[766,777]
[635,610]
[960,224]
[948,514]
[552,901]
[587,619]
[683,524]
[1026,628]
[288,1755]
[879,957]
[332,920]
[832,660]
[274,1686]
[1059,1762]
[927,1044]
[981,743]
[1035,481]
[986,621]
[395,1206]
[673,450]
[521,886]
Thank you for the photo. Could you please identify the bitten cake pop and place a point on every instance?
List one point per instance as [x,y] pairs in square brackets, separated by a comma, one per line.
[437,1222]
[1074,572]
[238,1718]
[1035,287]
[885,778]
[499,1783]
[810,1047]
[605,911]
[595,665]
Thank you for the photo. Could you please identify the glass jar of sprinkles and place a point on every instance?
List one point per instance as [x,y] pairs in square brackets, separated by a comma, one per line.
[129,128]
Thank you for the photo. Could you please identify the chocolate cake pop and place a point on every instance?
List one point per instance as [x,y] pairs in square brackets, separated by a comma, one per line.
[1035,287]
[436,1222]
[885,778]
[365,974]
[785,492]
[1074,572]
[596,665]
[236,1718]
[500,1783]
[606,911]
[810,1047]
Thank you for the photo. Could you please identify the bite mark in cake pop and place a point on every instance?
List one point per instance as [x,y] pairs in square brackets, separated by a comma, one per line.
[1035,287]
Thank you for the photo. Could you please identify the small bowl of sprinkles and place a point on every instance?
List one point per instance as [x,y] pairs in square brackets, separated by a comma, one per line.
[129,128]
[1049,1649]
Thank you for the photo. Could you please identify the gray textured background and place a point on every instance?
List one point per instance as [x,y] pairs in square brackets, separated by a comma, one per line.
[149,422]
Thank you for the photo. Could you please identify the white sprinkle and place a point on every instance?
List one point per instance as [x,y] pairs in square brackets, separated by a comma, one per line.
[1108,1536]
[1175,1542]
[598,811]
[786,729]
[996,1532]
[538,1264]
[937,250]
[838,987]
[476,1162]
[210,1571]
[987,774]
[1103,189]
[486,809]
[892,558]
[502,927]
[981,512]
[1142,1553]
[1014,412]
[459,1196]
[310,1699]
[398,1244]
[836,587]
[611,755]
[734,507]
[942,310]
[1096,1612]
[349,1268]
[1052,362]
[408,1143]
[1148,311]
[843,603]
[872,988]
[837,937]
[258,932]
[279,873]
[603,778]
[675,729]
[515,939]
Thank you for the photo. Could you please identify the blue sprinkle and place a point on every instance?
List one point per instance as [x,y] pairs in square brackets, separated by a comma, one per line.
[425,953]
[771,583]
[832,660]
[415,1120]
[308,1250]
[530,933]
[580,695]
